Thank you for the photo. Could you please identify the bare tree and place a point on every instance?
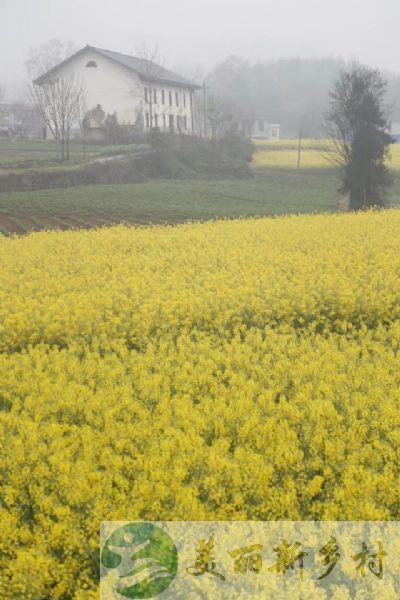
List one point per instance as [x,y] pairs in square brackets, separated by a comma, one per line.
[146,87]
[48,55]
[220,116]
[61,104]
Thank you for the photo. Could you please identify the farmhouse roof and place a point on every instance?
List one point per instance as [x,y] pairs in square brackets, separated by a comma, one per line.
[146,69]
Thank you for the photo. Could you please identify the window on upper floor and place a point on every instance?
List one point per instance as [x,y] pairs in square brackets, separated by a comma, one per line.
[170,98]
[91,64]
[145,95]
[155,96]
[184,100]
[163,96]
[177,98]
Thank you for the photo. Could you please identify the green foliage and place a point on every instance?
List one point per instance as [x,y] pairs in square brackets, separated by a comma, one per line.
[118,133]
[167,157]
[358,126]
[186,156]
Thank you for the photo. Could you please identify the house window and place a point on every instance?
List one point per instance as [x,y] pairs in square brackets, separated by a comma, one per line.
[163,96]
[184,100]
[155,96]
[91,64]
[185,122]
[171,123]
[164,121]
[156,120]
[145,95]
[177,98]
[147,120]
[170,98]
[261,125]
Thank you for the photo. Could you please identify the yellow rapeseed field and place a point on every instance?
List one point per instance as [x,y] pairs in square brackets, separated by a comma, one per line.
[244,369]
[284,153]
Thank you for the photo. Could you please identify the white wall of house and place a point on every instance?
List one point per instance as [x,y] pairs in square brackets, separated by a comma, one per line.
[118,89]
[174,107]
[261,129]
[109,84]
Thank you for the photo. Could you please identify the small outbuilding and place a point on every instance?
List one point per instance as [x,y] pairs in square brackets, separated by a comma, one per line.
[258,128]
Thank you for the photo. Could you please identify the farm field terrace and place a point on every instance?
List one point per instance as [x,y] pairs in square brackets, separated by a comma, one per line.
[276,188]
[44,152]
[284,154]
[246,369]
[268,192]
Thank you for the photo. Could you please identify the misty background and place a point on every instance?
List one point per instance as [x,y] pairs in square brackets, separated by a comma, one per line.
[272,59]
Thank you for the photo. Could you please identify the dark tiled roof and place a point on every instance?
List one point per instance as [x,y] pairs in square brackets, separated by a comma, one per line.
[146,69]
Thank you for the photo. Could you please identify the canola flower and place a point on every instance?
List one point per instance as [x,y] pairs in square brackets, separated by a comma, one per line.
[284,154]
[243,369]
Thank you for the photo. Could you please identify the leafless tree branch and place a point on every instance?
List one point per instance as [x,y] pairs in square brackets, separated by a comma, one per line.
[61,104]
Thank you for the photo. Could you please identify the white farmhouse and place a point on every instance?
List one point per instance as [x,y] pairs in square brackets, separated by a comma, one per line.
[137,91]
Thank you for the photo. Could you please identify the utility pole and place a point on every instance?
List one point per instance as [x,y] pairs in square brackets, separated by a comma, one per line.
[299,152]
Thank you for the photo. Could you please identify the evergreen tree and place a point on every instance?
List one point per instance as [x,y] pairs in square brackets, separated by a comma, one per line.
[358,129]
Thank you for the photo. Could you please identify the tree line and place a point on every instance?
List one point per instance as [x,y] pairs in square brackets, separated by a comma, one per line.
[293,92]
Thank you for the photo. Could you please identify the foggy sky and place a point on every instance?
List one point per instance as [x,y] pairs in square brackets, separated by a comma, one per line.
[203,32]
